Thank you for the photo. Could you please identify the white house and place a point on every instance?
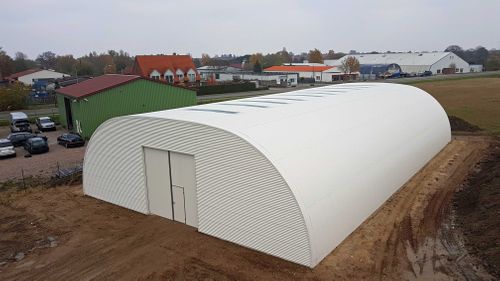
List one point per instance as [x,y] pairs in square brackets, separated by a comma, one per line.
[318,72]
[27,77]
[268,79]
[412,62]
[289,174]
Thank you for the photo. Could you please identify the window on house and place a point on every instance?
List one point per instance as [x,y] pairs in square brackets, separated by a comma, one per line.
[155,77]
[438,71]
[461,70]
[180,76]
[192,77]
[217,76]
[169,78]
[318,77]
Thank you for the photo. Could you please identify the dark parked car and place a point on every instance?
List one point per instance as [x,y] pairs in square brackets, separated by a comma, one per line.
[18,139]
[70,140]
[36,145]
[426,73]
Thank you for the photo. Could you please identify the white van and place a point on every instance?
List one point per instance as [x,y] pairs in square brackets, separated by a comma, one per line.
[19,122]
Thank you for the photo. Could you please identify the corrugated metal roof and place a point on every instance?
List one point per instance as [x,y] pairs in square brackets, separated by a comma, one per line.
[399,58]
[96,85]
[318,141]
[23,73]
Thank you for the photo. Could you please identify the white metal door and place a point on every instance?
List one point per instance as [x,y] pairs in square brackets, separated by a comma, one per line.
[158,182]
[178,204]
[183,175]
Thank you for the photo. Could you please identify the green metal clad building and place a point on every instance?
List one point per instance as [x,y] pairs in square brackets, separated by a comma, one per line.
[86,105]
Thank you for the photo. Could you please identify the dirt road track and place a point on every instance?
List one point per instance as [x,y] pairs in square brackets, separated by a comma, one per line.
[411,237]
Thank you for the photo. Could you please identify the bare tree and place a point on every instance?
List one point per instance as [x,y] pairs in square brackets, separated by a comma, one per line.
[315,56]
[350,65]
[206,60]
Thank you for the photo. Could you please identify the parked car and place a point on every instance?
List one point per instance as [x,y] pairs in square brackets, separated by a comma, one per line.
[70,140]
[425,73]
[19,122]
[45,124]
[6,149]
[36,145]
[18,139]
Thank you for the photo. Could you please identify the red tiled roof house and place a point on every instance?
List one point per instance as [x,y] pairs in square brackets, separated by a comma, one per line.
[170,68]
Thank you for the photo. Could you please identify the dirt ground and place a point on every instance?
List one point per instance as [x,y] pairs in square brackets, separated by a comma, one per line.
[477,205]
[39,164]
[60,234]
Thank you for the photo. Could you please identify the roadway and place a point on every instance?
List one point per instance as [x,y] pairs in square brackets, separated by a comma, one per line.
[4,115]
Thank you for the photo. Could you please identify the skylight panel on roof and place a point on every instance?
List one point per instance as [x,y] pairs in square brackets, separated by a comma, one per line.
[266,101]
[242,104]
[213,110]
[282,98]
[296,95]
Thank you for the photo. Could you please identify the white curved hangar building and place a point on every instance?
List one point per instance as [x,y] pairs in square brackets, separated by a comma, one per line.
[290,174]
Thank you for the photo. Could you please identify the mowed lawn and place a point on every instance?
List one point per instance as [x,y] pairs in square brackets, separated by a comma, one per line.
[476,100]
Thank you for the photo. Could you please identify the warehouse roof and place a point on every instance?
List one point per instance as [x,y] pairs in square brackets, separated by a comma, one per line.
[399,58]
[96,85]
[23,73]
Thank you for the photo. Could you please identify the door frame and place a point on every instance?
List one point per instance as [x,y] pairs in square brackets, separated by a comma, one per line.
[69,113]
[144,165]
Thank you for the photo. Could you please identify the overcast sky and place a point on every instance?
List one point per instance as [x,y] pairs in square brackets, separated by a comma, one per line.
[241,27]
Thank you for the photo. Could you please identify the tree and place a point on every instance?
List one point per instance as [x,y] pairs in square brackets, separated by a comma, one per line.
[258,57]
[47,60]
[65,64]
[457,50]
[330,55]
[6,64]
[13,97]
[481,55]
[121,60]
[315,56]
[206,60]
[20,63]
[350,65]
[257,67]
[84,67]
[493,62]
[284,56]
[272,59]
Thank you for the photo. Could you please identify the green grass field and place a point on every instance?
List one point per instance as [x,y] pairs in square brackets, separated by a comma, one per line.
[475,100]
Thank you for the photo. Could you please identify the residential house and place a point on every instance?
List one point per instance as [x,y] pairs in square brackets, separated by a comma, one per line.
[173,69]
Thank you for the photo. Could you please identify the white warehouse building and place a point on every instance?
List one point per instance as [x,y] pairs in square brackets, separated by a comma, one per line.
[28,77]
[412,62]
[289,174]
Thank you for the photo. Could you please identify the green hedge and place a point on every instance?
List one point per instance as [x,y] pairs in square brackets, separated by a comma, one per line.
[226,88]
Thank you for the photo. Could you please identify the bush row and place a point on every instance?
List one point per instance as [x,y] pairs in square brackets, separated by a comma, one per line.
[226,88]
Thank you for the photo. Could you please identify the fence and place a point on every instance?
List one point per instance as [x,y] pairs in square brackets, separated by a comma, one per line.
[41,99]
[55,174]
